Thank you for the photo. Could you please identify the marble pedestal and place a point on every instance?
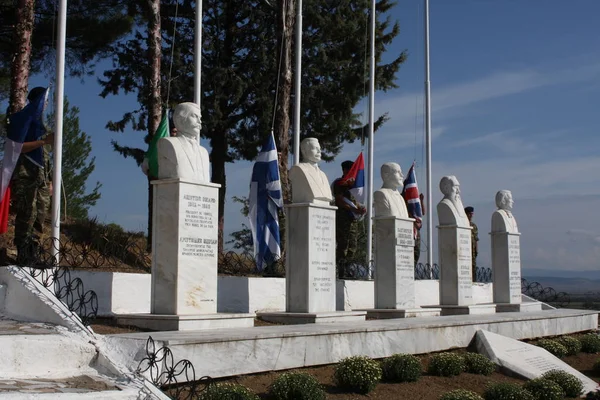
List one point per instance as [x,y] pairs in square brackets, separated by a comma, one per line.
[395,271]
[522,307]
[506,264]
[310,268]
[184,260]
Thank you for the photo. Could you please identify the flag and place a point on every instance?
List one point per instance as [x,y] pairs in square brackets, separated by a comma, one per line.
[410,192]
[26,125]
[358,188]
[152,154]
[264,203]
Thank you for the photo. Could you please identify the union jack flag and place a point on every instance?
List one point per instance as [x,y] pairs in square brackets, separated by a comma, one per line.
[410,192]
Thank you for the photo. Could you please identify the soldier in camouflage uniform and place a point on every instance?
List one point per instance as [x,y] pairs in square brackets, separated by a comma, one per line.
[30,194]
[347,226]
[474,239]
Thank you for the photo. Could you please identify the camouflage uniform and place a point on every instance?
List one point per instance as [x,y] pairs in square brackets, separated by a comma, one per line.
[346,232]
[474,240]
[30,200]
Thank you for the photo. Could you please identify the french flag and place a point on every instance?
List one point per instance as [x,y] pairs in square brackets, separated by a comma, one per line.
[410,192]
[24,126]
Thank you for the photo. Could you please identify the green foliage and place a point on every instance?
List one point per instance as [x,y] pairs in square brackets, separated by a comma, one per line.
[242,239]
[596,367]
[401,368]
[296,386]
[506,391]
[358,374]
[572,344]
[76,166]
[572,386]
[593,395]
[544,389]
[460,394]
[553,347]
[590,343]
[227,391]
[478,364]
[446,364]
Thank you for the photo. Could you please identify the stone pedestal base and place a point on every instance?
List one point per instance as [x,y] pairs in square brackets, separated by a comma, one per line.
[473,309]
[383,313]
[159,322]
[521,307]
[291,318]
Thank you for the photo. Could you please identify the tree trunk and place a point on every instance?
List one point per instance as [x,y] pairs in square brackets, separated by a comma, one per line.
[154,95]
[285,32]
[19,70]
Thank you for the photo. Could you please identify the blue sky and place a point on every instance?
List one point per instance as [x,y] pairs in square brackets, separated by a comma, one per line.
[515,87]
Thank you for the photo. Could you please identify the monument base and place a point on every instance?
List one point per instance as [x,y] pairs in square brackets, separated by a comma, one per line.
[158,322]
[293,318]
[521,307]
[390,313]
[473,309]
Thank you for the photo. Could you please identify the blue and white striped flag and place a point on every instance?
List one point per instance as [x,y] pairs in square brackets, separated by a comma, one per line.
[265,200]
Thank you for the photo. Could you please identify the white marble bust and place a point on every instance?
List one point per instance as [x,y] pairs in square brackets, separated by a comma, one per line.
[450,209]
[309,183]
[388,201]
[503,219]
[182,156]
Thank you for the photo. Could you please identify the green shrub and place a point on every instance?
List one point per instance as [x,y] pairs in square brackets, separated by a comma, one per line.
[446,364]
[358,374]
[553,347]
[401,368]
[228,391]
[544,389]
[506,391]
[593,395]
[573,345]
[461,394]
[478,364]
[569,383]
[596,366]
[590,343]
[296,386]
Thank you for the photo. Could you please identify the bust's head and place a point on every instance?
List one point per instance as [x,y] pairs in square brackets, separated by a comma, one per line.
[504,200]
[450,187]
[311,150]
[187,120]
[391,174]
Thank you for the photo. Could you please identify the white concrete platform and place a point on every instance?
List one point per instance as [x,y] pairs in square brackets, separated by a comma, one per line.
[159,322]
[290,318]
[383,313]
[229,352]
[522,307]
[473,309]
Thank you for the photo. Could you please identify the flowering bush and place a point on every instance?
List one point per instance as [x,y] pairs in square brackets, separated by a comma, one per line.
[228,391]
[590,343]
[296,386]
[506,391]
[461,394]
[573,345]
[553,347]
[446,364]
[478,364]
[572,385]
[358,374]
[401,368]
[544,389]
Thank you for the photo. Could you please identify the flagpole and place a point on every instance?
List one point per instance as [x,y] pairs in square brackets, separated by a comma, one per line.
[58,126]
[198,54]
[370,148]
[297,81]
[429,199]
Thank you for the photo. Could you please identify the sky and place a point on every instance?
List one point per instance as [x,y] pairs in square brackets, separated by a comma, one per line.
[515,91]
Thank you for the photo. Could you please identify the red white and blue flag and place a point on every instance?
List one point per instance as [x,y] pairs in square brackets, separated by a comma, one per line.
[357,172]
[410,192]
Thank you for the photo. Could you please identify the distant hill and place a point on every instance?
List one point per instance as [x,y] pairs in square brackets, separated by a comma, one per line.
[562,273]
[568,285]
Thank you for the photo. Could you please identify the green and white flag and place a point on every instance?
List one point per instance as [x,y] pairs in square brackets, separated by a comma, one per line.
[152,153]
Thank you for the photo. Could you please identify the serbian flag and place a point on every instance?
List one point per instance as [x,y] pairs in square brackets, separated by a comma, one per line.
[410,192]
[24,126]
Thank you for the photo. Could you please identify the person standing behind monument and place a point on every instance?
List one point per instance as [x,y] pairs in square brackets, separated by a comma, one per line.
[474,239]
[348,210]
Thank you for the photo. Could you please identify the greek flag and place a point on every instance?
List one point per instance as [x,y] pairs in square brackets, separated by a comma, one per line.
[265,200]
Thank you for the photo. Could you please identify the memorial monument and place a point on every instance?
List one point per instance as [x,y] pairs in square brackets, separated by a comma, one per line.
[506,257]
[185,235]
[394,251]
[310,233]
[454,253]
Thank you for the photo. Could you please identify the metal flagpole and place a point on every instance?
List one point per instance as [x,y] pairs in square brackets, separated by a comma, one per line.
[58,126]
[198,54]
[429,199]
[370,149]
[297,81]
